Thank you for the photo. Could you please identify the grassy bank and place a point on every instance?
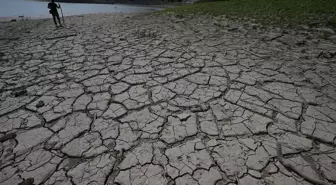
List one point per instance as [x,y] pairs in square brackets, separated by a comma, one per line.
[270,11]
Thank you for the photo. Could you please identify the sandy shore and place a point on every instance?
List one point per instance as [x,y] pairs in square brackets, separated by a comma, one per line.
[164,99]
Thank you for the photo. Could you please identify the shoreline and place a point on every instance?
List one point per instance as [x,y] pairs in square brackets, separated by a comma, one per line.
[19,19]
[11,18]
[156,3]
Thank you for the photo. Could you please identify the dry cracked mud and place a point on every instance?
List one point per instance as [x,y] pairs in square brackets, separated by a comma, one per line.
[130,99]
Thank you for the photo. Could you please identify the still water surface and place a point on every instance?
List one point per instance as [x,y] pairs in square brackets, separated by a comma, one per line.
[30,8]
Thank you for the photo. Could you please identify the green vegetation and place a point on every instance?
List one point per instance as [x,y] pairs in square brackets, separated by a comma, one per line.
[271,11]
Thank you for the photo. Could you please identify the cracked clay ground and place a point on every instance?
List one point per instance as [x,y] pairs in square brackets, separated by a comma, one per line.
[160,99]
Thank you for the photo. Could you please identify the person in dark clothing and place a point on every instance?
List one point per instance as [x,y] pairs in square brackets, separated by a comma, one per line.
[53,11]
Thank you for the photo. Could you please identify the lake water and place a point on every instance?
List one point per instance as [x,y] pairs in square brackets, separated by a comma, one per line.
[30,8]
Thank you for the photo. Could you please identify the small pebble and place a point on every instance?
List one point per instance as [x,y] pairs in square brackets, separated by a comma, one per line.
[20,93]
[29,181]
[40,104]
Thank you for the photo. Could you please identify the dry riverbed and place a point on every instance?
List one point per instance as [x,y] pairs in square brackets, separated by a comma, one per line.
[164,99]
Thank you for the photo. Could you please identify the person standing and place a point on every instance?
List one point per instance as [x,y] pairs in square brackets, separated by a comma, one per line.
[53,11]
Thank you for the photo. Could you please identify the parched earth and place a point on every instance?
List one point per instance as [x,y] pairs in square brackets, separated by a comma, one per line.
[130,99]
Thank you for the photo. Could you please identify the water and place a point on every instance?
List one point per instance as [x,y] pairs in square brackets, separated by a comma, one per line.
[30,8]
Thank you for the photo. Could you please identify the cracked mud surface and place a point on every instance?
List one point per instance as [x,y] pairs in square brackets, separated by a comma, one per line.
[148,99]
